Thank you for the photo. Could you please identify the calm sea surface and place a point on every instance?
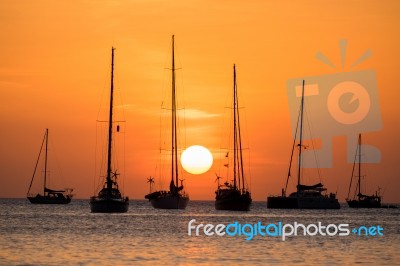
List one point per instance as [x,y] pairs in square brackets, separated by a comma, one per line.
[71,235]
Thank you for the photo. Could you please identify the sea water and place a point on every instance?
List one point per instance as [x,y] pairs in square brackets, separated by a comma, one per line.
[71,235]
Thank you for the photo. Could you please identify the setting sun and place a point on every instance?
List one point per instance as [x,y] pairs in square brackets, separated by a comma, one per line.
[196,159]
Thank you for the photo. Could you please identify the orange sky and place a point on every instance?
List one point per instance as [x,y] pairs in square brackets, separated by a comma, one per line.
[54,69]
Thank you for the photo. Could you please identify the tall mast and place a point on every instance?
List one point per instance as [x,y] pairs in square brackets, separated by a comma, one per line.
[240,155]
[359,166]
[234,127]
[301,135]
[174,137]
[110,122]
[45,162]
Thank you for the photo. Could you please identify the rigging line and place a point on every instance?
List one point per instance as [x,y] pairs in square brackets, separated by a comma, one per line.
[160,148]
[37,162]
[384,188]
[312,143]
[103,157]
[352,174]
[225,131]
[359,165]
[238,172]
[249,173]
[165,153]
[56,160]
[45,162]
[365,178]
[181,119]
[301,136]
[99,184]
[164,156]
[124,159]
[121,99]
[240,141]
[95,165]
[231,137]
[220,145]
[247,140]
[234,128]
[246,136]
[103,91]
[115,157]
[118,136]
[291,155]
[97,173]
[182,100]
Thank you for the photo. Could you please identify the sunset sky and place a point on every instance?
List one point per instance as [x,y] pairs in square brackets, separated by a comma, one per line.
[55,71]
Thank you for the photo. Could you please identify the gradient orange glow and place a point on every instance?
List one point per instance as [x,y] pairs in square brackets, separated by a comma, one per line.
[54,73]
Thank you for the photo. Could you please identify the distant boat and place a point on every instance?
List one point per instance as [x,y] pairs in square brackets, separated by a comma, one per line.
[175,198]
[306,196]
[109,198]
[234,197]
[49,196]
[360,200]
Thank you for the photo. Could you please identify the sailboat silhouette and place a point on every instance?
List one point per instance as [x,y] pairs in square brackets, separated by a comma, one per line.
[175,198]
[306,196]
[109,198]
[234,197]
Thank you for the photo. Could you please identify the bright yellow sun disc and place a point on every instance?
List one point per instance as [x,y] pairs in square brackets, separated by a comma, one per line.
[196,159]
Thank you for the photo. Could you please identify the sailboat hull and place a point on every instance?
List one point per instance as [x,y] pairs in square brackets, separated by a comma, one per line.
[279,202]
[318,203]
[321,202]
[368,203]
[104,205]
[39,199]
[170,201]
[232,200]
[233,205]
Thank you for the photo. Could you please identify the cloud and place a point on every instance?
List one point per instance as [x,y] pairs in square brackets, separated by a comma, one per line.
[190,114]
[196,114]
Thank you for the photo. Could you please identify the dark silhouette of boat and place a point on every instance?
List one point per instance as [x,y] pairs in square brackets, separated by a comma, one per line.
[361,200]
[109,198]
[175,198]
[306,196]
[234,197]
[49,196]
[389,206]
